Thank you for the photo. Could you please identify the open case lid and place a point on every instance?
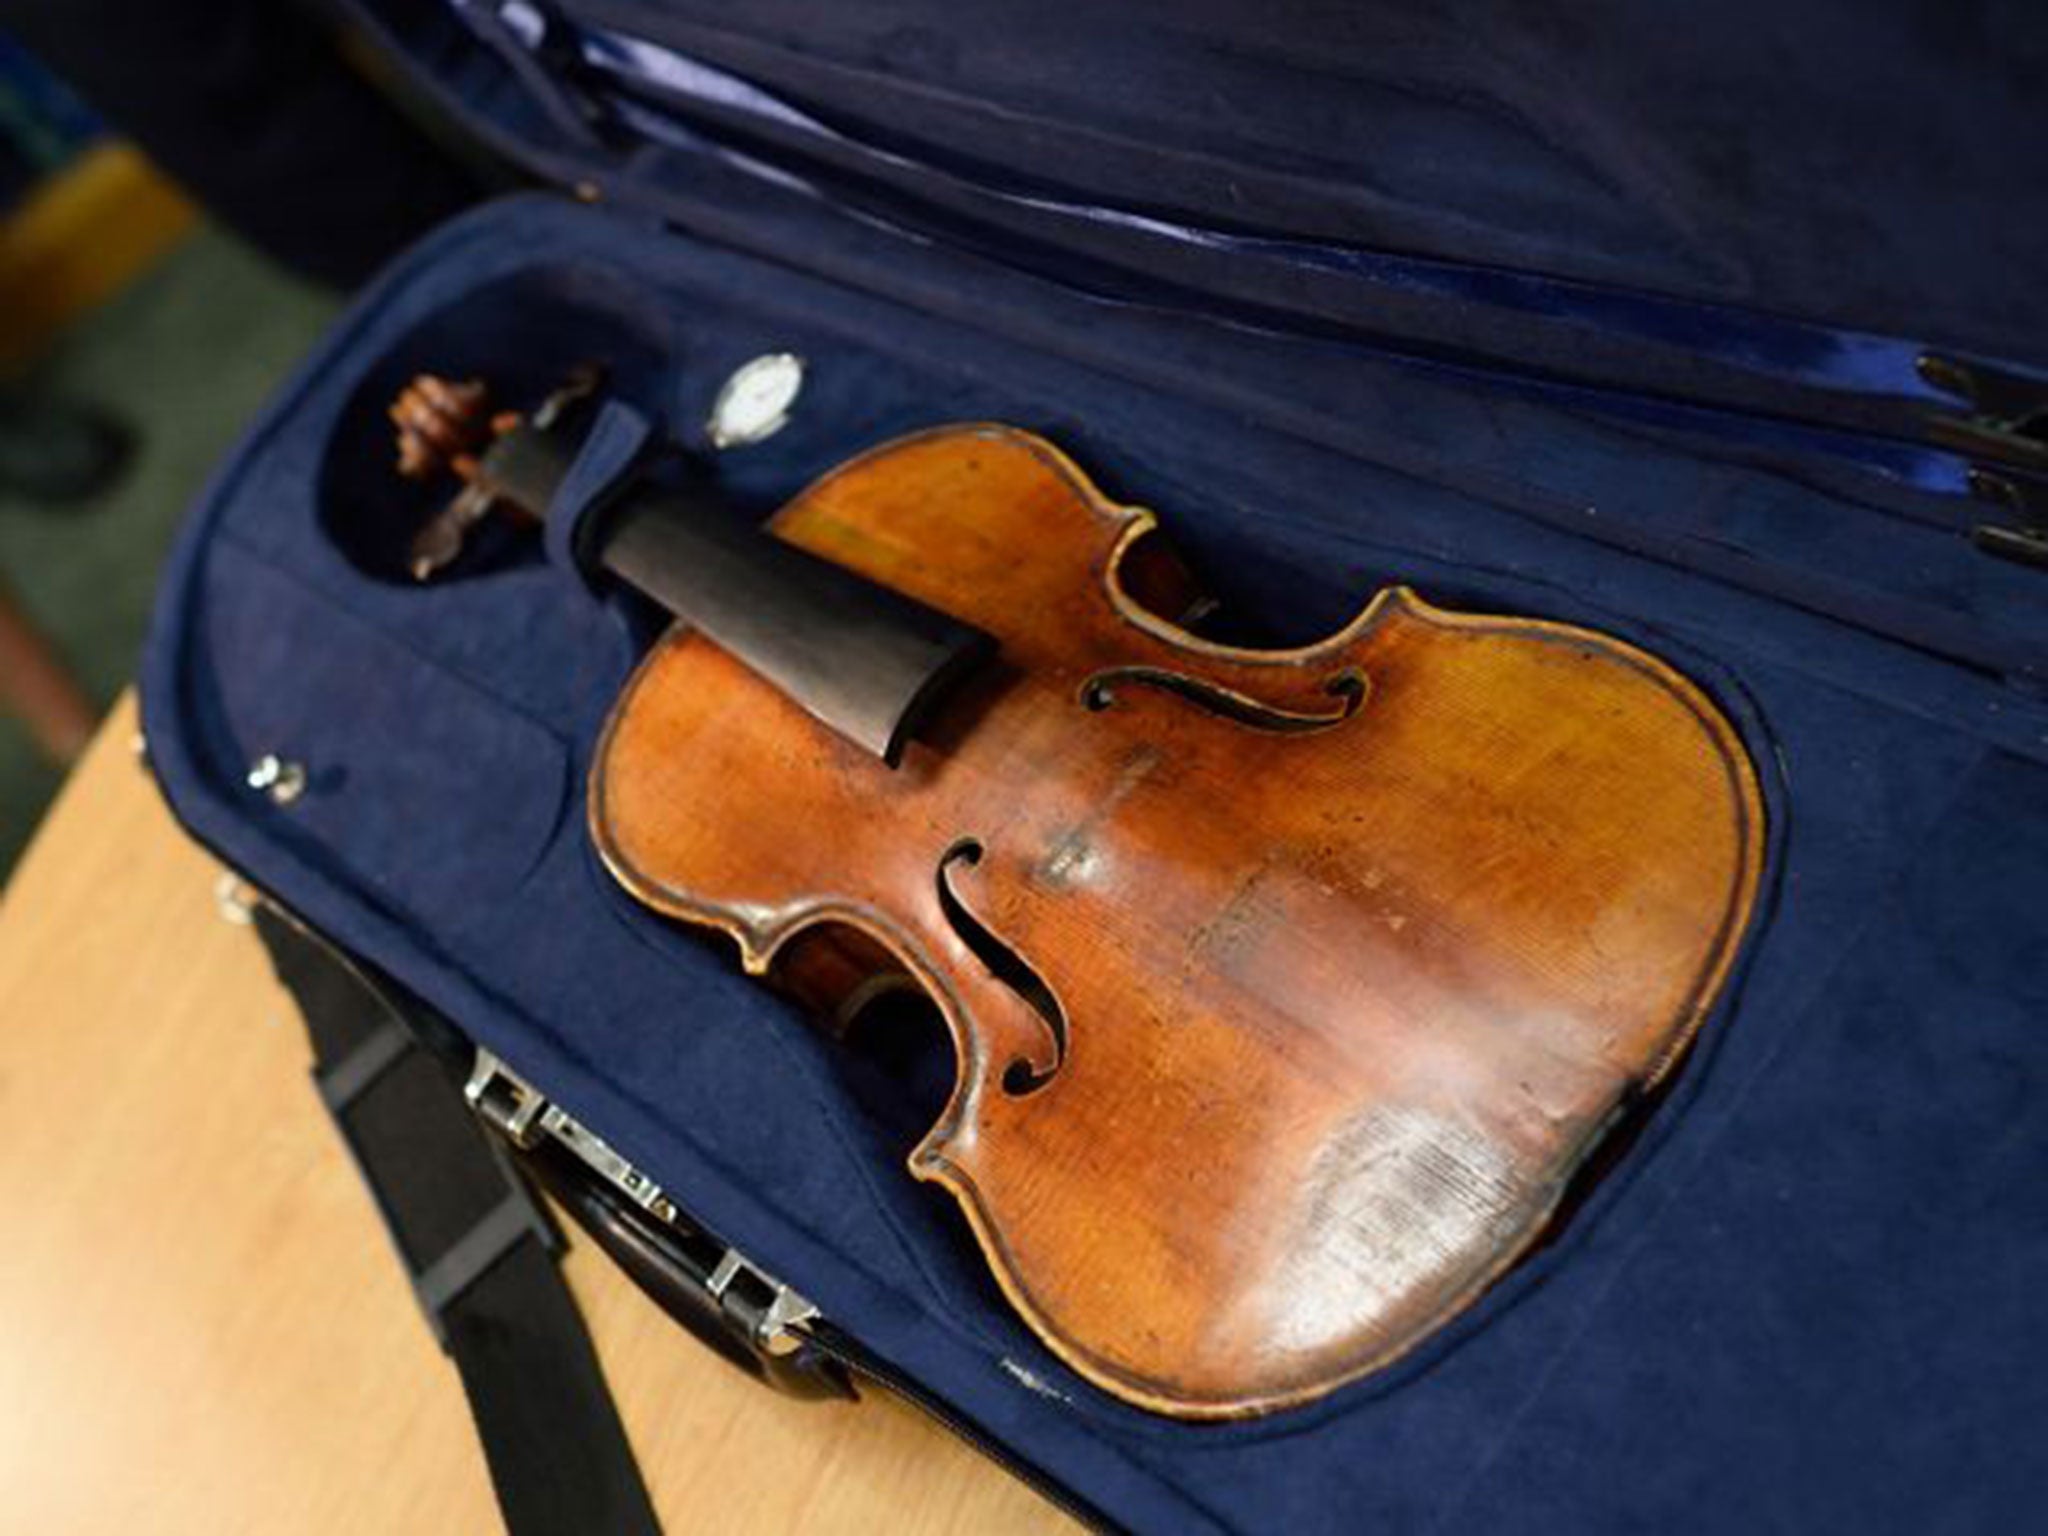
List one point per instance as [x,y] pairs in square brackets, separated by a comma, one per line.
[1814,212]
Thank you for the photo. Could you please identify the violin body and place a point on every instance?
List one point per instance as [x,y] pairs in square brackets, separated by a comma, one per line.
[1288,988]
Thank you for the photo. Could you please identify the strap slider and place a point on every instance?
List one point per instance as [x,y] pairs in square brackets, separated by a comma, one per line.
[442,1283]
[439,1280]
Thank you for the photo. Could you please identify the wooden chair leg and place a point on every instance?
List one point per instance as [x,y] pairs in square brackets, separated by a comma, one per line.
[40,690]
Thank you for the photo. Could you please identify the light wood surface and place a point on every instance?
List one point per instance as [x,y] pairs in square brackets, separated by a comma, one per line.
[202,1328]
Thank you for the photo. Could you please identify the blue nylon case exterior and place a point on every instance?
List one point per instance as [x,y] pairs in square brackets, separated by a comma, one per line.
[1806,1299]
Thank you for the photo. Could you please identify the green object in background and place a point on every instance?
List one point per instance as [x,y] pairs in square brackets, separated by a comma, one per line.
[184,357]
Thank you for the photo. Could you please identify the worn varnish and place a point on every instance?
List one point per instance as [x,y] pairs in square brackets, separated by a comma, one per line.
[1288,988]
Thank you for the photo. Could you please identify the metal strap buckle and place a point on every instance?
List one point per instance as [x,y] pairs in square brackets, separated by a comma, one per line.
[760,1306]
[504,1100]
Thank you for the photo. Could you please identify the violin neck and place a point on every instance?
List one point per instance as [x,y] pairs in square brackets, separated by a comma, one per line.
[863,659]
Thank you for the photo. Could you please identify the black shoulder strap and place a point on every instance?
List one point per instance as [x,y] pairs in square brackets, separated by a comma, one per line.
[479,1250]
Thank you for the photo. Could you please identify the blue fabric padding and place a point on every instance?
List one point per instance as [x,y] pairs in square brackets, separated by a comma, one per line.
[1807,1298]
[617,438]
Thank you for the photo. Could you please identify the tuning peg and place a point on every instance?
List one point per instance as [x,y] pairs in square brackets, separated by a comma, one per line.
[442,425]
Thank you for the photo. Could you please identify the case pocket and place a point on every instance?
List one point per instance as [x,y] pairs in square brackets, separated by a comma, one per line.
[430,795]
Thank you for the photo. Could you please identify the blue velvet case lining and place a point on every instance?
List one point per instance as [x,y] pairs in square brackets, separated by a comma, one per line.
[1804,1297]
[1699,212]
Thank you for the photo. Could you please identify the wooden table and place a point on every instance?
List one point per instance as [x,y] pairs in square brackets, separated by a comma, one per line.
[202,1328]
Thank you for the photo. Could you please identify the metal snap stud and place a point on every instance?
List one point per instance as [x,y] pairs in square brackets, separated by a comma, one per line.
[278,777]
[234,901]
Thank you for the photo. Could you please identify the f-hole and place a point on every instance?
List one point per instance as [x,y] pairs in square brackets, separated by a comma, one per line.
[1008,967]
[1346,689]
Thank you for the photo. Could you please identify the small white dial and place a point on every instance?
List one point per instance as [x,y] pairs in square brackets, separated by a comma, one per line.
[755,402]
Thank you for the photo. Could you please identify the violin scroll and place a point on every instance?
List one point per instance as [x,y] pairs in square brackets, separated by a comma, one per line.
[443,425]
[448,426]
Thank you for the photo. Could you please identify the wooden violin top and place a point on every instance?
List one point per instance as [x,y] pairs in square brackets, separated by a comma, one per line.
[1288,989]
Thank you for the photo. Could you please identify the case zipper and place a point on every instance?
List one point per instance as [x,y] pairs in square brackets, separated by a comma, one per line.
[864,1363]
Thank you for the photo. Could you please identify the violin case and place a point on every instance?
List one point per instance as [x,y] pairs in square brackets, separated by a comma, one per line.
[1721,333]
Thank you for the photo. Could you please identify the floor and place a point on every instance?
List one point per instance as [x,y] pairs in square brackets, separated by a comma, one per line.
[185,356]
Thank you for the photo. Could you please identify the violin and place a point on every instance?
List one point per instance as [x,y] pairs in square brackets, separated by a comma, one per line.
[1288,989]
